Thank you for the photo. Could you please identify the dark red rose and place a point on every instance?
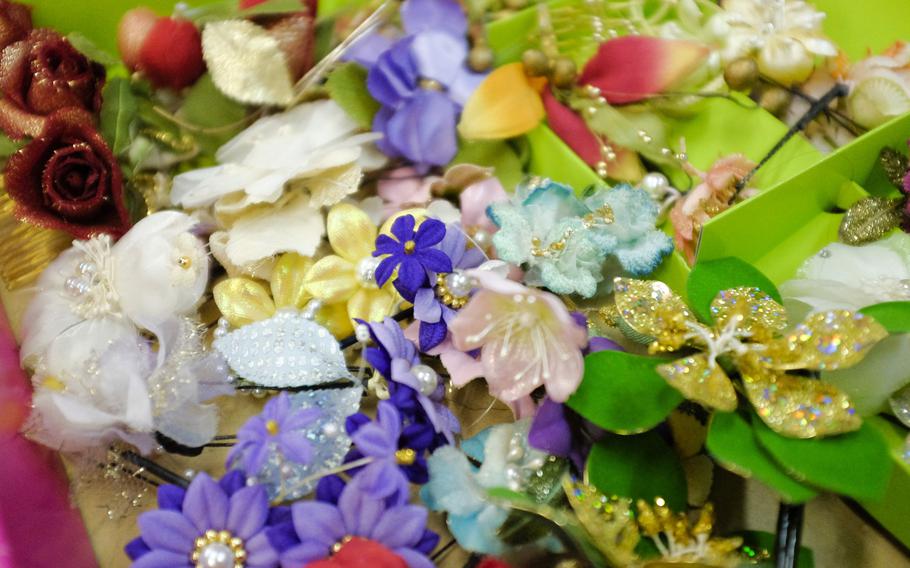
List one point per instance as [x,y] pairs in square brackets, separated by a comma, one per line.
[171,55]
[68,179]
[41,74]
[15,22]
[361,553]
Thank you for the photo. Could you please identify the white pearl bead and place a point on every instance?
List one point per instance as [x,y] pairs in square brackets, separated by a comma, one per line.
[656,184]
[481,238]
[366,269]
[75,286]
[87,268]
[330,430]
[458,284]
[362,333]
[189,473]
[427,379]
[216,555]
[312,308]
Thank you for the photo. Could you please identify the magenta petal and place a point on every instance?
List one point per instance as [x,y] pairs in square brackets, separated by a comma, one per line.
[247,511]
[162,559]
[206,504]
[318,522]
[167,530]
[401,526]
[572,129]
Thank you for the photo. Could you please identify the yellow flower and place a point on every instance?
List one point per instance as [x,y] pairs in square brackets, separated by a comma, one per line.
[748,331]
[244,300]
[346,278]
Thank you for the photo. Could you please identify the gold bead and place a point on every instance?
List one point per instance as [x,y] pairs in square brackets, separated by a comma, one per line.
[405,456]
[741,74]
[184,262]
[564,72]
[536,62]
[211,535]
[480,58]
[775,100]
[224,537]
[236,542]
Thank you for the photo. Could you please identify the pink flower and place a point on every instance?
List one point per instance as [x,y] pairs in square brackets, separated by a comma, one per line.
[474,200]
[526,336]
[403,189]
[713,195]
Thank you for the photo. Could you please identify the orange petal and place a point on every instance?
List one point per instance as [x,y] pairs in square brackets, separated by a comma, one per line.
[506,104]
[631,68]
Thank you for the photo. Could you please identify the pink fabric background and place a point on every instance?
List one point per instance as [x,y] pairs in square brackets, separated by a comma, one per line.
[39,527]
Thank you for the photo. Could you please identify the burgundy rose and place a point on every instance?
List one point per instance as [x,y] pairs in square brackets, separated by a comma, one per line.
[15,22]
[41,74]
[68,179]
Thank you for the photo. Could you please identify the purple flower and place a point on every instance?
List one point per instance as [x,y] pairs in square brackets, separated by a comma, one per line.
[207,522]
[413,254]
[422,82]
[395,358]
[397,450]
[318,526]
[430,307]
[278,427]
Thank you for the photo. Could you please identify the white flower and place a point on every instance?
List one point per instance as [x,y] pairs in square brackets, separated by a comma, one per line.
[846,277]
[880,87]
[288,164]
[783,35]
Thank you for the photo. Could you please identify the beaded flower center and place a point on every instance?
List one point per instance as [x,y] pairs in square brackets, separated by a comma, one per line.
[336,548]
[271,427]
[405,456]
[218,549]
[449,296]
[409,247]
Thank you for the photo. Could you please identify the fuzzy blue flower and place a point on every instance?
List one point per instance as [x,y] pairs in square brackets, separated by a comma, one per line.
[565,243]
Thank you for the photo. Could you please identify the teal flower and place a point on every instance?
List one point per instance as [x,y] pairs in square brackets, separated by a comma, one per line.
[564,243]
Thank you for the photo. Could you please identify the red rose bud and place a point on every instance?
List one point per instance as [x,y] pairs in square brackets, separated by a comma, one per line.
[167,50]
[361,553]
[132,32]
[15,22]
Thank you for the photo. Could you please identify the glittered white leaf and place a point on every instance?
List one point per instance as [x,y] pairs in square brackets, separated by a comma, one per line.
[246,63]
[286,350]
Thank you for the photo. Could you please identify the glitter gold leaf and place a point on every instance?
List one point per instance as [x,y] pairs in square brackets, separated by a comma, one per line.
[826,341]
[870,219]
[759,316]
[701,380]
[895,165]
[607,520]
[651,309]
[798,407]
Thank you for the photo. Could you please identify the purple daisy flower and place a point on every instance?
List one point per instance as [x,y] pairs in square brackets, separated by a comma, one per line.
[413,254]
[318,528]
[209,523]
[435,306]
[279,427]
[422,82]
[395,357]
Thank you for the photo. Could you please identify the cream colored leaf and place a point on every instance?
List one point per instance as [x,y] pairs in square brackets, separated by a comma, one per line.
[246,63]
[290,226]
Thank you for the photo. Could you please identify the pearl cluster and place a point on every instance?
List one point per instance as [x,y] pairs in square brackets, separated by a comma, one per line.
[219,549]
[521,460]
[453,288]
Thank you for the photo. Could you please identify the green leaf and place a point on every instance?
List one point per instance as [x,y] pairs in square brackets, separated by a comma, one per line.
[8,146]
[88,48]
[214,117]
[118,111]
[710,277]
[347,85]
[638,467]
[623,393]
[856,464]
[894,316]
[496,154]
[230,9]
[733,445]
[758,541]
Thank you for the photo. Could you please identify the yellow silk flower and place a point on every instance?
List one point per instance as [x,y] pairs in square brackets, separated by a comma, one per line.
[243,300]
[748,332]
[346,277]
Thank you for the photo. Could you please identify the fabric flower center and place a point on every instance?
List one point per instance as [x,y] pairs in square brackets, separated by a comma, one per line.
[336,548]
[431,85]
[272,427]
[219,549]
[409,247]
[405,456]
[453,289]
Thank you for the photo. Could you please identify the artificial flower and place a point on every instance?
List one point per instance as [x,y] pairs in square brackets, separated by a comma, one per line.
[68,179]
[210,523]
[748,329]
[785,37]
[714,194]
[412,253]
[274,176]
[403,189]
[564,241]
[526,336]
[41,74]
[422,82]
[396,358]
[347,278]
[460,489]
[319,526]
[879,86]
[435,305]
[361,553]
[279,427]
[848,277]
[168,51]
[15,22]
[396,451]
